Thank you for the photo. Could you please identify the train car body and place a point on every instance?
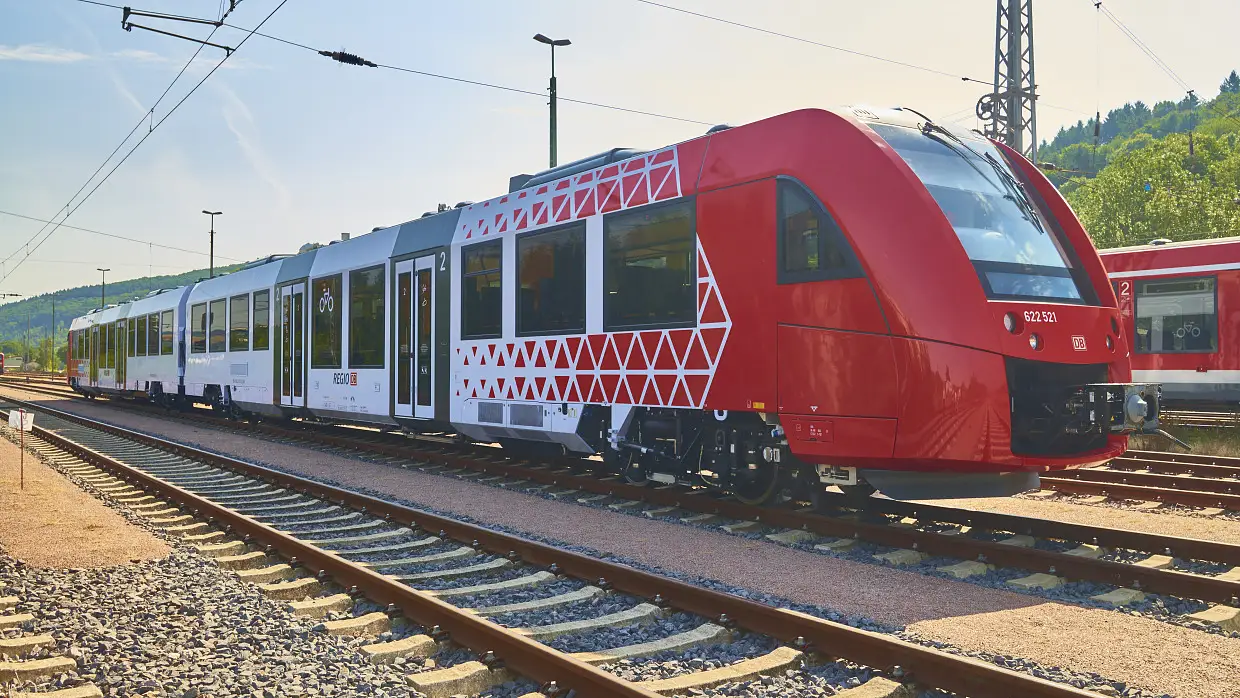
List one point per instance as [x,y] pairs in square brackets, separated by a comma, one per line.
[153,360]
[1180,303]
[816,298]
[228,340]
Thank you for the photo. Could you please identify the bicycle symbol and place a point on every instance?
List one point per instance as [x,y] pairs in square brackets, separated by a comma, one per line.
[1189,329]
[326,302]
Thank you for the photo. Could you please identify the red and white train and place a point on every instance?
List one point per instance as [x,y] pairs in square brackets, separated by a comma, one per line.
[846,297]
[1180,304]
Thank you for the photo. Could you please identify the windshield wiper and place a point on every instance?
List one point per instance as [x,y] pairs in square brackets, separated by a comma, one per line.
[1015,191]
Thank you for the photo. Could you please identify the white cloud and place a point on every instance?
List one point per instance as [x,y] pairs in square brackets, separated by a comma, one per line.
[38,53]
[139,56]
[241,122]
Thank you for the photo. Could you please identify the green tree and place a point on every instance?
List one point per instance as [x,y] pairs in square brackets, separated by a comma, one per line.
[1160,191]
[1230,85]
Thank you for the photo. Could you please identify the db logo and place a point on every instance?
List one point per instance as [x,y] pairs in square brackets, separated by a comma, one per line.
[345,378]
[1078,342]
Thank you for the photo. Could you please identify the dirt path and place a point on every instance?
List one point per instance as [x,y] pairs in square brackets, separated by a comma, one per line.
[53,523]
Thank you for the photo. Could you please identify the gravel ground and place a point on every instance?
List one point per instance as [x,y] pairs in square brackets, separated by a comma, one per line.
[180,626]
[88,533]
[1062,639]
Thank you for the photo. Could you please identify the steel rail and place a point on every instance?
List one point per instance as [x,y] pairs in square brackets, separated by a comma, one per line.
[1184,457]
[961,547]
[1184,548]
[1141,492]
[924,665]
[1172,467]
[1152,480]
[525,656]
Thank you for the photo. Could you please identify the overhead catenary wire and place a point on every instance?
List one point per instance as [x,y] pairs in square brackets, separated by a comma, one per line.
[154,126]
[117,237]
[812,42]
[150,113]
[1158,62]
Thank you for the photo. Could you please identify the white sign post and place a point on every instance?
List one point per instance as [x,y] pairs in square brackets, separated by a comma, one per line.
[22,421]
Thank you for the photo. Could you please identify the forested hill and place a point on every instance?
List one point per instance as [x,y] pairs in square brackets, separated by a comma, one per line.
[1167,171]
[74,302]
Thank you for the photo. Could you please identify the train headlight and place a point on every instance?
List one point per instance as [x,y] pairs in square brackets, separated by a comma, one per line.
[1035,342]
[1114,326]
[1110,343]
[1012,323]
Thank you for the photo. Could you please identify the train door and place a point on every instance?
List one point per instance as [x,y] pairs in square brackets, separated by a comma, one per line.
[415,338]
[292,345]
[122,351]
[94,355]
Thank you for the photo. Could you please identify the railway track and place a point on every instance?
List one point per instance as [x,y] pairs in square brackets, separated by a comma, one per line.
[1209,483]
[1053,552]
[418,564]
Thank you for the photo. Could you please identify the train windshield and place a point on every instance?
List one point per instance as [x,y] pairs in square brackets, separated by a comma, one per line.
[1005,235]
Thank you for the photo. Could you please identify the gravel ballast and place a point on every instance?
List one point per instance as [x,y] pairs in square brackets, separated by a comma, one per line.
[1063,638]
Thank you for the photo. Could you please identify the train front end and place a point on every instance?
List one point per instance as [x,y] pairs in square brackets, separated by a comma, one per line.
[1008,344]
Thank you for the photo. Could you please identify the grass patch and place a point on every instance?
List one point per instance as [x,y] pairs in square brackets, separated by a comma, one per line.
[1208,441]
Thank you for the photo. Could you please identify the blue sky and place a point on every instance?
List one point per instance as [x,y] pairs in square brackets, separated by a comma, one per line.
[296,148]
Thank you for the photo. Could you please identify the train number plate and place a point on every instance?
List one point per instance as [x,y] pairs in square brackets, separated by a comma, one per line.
[836,475]
[1040,316]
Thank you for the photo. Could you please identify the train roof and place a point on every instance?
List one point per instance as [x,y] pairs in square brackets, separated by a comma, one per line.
[362,251]
[158,301]
[1190,256]
[244,280]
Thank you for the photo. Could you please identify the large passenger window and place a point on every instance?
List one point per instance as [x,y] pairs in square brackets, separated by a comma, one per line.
[811,245]
[152,334]
[366,319]
[325,319]
[552,281]
[218,338]
[137,330]
[481,299]
[239,323]
[650,267]
[198,329]
[165,333]
[262,320]
[1177,316]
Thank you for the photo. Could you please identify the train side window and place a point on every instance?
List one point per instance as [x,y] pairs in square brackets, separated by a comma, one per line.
[551,277]
[481,296]
[367,323]
[137,330]
[325,323]
[165,333]
[217,338]
[131,344]
[811,245]
[239,323]
[198,329]
[262,320]
[1177,316]
[650,267]
[152,334]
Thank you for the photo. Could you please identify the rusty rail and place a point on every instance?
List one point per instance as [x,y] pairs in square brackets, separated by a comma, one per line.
[924,665]
[960,547]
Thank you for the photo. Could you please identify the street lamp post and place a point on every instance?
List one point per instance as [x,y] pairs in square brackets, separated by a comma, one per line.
[103,289]
[213,214]
[542,39]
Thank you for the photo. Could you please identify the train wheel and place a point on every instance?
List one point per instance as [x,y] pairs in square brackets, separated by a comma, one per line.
[763,487]
[634,470]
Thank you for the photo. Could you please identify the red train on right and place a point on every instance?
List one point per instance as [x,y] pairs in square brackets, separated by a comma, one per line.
[1180,305]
